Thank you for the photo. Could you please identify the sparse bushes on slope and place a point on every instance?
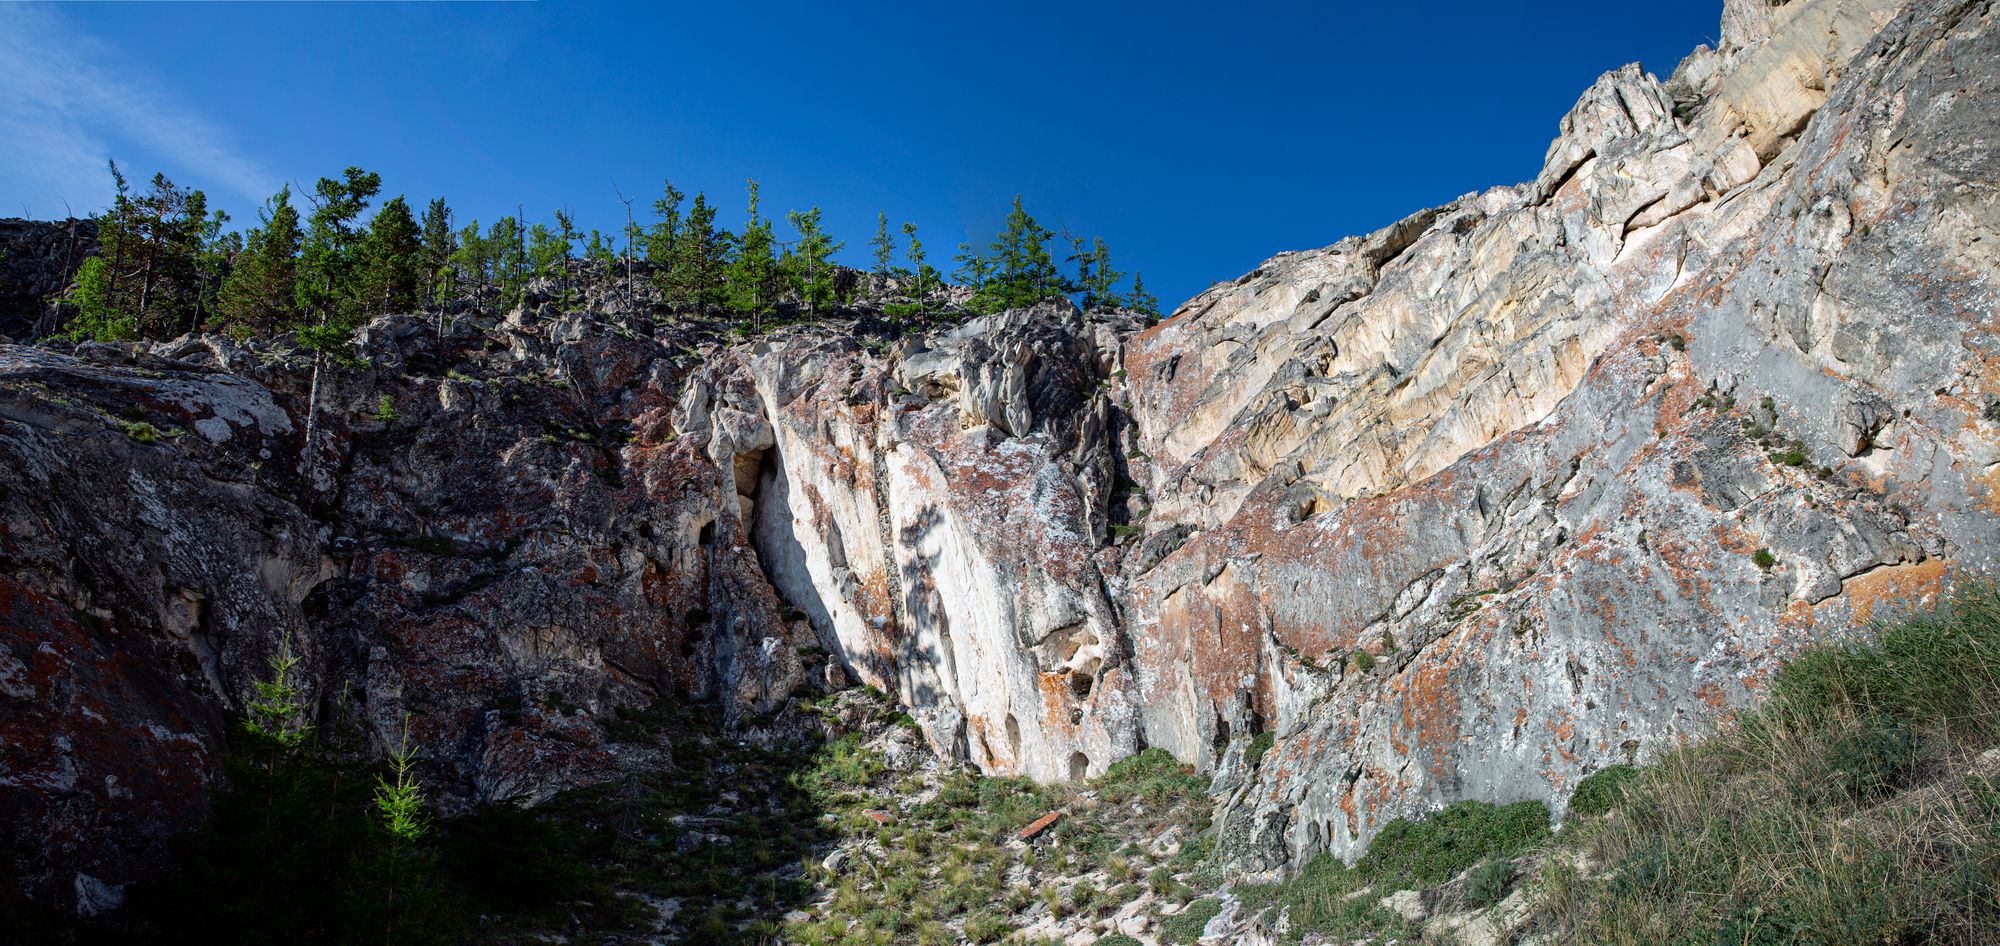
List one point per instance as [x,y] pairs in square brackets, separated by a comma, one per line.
[1343,903]
[1854,807]
[1186,926]
[1431,851]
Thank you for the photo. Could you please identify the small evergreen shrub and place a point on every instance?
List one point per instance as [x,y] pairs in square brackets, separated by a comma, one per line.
[1185,927]
[1601,790]
[1431,851]
[1258,746]
[1487,883]
[1153,775]
[1874,758]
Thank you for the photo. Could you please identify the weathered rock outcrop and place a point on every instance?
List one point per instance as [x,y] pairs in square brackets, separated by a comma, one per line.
[1522,450]
[37,260]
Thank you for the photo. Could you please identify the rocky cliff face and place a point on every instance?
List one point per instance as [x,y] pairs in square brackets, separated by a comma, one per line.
[1523,451]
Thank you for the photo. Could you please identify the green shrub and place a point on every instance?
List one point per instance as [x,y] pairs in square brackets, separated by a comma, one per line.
[1331,900]
[1487,883]
[1364,661]
[1258,746]
[1874,758]
[1185,927]
[1601,790]
[141,431]
[1153,775]
[1764,559]
[1433,850]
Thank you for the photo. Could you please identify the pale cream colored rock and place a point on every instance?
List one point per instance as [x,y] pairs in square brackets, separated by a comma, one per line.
[1408,904]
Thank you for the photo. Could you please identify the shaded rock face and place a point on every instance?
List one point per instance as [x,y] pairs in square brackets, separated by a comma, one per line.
[1522,449]
[37,260]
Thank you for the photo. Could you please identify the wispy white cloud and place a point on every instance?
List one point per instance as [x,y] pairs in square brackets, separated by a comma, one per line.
[66,106]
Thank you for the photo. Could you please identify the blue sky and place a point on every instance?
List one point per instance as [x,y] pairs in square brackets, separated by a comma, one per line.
[1196,139]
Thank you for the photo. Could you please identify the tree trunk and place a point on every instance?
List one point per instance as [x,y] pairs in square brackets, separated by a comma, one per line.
[312,417]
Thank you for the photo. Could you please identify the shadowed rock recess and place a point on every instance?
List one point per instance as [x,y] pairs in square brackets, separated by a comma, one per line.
[1522,451]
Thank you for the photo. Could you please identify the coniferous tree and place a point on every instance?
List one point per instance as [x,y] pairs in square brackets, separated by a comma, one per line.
[548,253]
[700,256]
[95,318]
[387,262]
[298,849]
[1083,259]
[400,886]
[99,313]
[916,252]
[153,244]
[218,252]
[809,266]
[155,226]
[506,248]
[1139,300]
[1023,271]
[660,238]
[1100,282]
[753,269]
[973,267]
[113,240]
[329,257]
[326,266]
[260,297]
[471,261]
[884,247]
[601,247]
[439,243]
[566,230]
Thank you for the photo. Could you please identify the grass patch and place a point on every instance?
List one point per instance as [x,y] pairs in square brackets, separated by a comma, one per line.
[1846,809]
[141,431]
[1186,926]
[1343,904]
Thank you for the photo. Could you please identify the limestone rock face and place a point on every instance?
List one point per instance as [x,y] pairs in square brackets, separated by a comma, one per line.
[1520,451]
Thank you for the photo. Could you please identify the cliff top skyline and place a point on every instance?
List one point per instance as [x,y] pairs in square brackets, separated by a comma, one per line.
[1162,129]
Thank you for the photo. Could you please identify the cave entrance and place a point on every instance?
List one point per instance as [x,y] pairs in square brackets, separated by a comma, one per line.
[764,494]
